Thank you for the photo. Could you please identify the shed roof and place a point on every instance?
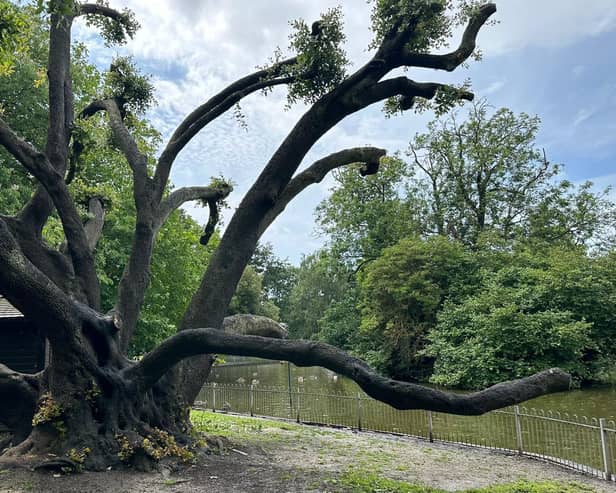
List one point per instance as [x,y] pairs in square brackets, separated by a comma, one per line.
[7,310]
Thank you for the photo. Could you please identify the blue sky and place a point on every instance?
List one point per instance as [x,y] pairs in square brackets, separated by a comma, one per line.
[552,58]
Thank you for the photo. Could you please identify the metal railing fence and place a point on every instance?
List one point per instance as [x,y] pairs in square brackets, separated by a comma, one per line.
[576,442]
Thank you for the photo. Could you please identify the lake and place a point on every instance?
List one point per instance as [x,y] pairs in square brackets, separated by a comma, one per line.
[598,402]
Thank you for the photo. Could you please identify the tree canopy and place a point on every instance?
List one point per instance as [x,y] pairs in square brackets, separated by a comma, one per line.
[91,393]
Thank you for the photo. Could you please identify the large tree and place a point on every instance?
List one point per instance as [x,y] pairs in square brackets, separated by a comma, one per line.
[92,402]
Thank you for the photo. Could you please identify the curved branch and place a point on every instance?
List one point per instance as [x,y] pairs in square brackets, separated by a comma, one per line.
[409,89]
[39,165]
[450,61]
[182,195]
[401,395]
[208,112]
[208,305]
[212,221]
[125,141]
[318,170]
[103,10]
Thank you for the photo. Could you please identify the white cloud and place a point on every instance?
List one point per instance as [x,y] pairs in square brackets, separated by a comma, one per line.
[547,23]
[196,47]
[582,115]
[492,88]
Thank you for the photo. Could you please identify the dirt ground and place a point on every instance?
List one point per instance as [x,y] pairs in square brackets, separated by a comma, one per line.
[267,456]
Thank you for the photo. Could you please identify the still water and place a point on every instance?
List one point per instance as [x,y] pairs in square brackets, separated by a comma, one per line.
[597,402]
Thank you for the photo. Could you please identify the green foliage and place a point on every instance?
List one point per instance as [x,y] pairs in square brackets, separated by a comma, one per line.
[402,293]
[14,34]
[124,82]
[573,215]
[49,412]
[525,317]
[78,456]
[432,21]
[101,170]
[477,199]
[126,450]
[535,487]
[250,298]
[320,281]
[362,481]
[277,277]
[321,61]
[114,31]
[340,321]
[482,174]
[60,7]
[363,215]
[178,263]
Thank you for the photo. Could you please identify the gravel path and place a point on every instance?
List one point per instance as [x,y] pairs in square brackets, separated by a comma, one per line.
[283,457]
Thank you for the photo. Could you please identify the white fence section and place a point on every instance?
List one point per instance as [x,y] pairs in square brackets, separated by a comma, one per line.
[576,442]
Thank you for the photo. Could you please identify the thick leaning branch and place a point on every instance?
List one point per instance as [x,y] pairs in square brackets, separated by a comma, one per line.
[451,61]
[32,292]
[401,395]
[35,213]
[38,165]
[136,276]
[315,173]
[208,305]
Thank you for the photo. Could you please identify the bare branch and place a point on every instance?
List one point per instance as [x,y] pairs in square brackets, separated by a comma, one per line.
[183,195]
[98,9]
[136,159]
[450,61]
[94,225]
[212,222]
[401,395]
[409,89]
[315,173]
[212,109]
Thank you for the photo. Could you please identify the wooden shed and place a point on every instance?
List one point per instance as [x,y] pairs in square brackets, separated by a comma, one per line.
[22,347]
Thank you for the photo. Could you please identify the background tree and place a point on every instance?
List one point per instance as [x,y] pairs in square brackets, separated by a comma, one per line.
[278,277]
[483,188]
[250,296]
[402,292]
[531,312]
[136,410]
[365,215]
